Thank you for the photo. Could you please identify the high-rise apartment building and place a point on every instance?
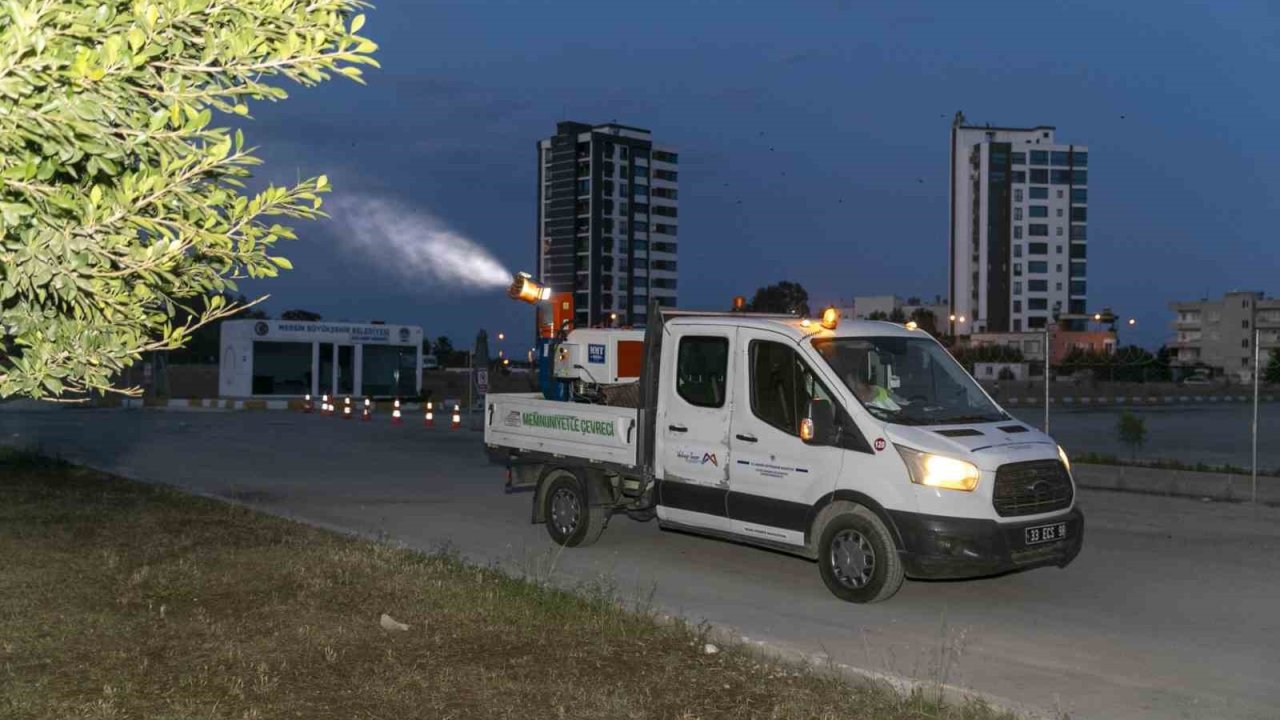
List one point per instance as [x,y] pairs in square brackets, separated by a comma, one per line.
[607,221]
[1019,229]
[1220,333]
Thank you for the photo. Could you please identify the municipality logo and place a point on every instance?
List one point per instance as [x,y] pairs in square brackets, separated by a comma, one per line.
[695,458]
[595,354]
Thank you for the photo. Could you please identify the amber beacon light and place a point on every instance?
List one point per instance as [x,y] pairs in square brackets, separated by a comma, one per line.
[830,318]
[524,287]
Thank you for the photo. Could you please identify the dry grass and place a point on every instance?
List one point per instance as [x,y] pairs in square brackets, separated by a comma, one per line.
[120,600]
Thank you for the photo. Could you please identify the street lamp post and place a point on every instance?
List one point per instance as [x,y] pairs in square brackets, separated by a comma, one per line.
[1048,326]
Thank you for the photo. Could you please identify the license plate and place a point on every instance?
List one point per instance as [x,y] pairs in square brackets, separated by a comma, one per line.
[1046,533]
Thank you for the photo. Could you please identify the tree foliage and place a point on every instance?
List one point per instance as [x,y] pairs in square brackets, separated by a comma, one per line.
[1132,431]
[1273,367]
[301,316]
[783,297]
[925,320]
[969,355]
[123,207]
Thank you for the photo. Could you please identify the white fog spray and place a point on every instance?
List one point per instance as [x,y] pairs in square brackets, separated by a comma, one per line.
[415,244]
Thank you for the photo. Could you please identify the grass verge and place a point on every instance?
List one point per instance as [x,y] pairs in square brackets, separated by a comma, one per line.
[121,600]
[1093,458]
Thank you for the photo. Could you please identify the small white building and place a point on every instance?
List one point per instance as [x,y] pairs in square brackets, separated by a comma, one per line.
[996,371]
[273,358]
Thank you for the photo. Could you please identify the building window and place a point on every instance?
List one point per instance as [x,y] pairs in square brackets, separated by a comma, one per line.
[1078,252]
[666,157]
[1079,195]
[1018,158]
[1077,287]
[1017,306]
[1017,251]
[1038,286]
[1080,159]
[1059,212]
[1037,266]
[701,367]
[1017,269]
[1035,323]
[1017,287]
[1017,232]
[1079,214]
[1058,267]
[1059,232]
[1079,232]
[1058,249]
[1017,194]
[668,175]
[1079,177]
[1017,213]
[284,368]
[642,226]
[1077,269]
[1060,177]
[1039,211]
[1037,304]
[1038,230]
[1039,193]
[1057,287]
[1060,158]
[642,171]
[1019,176]
[1017,324]
[1040,176]
[1038,248]
[584,187]
[1039,157]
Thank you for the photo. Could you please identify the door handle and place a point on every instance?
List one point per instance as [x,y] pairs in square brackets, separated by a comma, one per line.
[677,428]
[747,438]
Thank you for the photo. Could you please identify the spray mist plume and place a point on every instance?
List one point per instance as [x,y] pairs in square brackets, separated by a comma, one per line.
[416,245]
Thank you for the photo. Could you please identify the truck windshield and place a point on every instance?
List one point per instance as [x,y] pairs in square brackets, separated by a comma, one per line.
[909,381]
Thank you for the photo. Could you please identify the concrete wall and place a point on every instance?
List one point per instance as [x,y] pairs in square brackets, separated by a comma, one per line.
[1218,486]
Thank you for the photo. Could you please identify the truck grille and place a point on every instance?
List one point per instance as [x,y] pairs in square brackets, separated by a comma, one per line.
[1030,488]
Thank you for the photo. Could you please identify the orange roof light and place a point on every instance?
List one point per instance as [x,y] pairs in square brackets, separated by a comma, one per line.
[830,318]
[739,303]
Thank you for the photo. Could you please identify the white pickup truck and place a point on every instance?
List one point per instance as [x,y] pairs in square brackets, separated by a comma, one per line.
[862,445]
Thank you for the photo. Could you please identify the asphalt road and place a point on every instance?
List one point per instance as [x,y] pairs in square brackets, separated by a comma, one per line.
[1169,612]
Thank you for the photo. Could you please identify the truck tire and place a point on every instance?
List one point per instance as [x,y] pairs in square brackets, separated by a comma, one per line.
[857,558]
[571,520]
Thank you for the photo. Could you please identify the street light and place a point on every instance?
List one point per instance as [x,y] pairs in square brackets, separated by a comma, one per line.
[502,336]
[1057,311]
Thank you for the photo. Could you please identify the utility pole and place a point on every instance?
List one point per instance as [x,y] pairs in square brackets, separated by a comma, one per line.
[1257,374]
[1048,326]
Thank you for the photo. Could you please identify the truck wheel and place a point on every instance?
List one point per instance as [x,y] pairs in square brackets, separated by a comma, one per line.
[857,558]
[571,521]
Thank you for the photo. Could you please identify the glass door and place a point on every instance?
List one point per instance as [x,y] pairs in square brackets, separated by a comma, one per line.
[326,369]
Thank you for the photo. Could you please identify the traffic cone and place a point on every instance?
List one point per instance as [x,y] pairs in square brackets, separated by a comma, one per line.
[456,422]
[306,404]
[346,408]
[429,418]
[395,413]
[366,414]
[325,407]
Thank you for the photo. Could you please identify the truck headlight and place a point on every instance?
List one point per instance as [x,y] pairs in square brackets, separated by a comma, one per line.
[1062,455]
[940,471]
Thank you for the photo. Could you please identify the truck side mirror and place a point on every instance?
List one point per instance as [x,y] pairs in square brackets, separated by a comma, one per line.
[820,427]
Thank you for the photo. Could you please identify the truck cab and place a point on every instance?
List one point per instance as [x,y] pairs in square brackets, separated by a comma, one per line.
[862,445]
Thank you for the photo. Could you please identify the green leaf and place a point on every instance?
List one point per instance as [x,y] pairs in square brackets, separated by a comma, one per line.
[357,23]
[282,262]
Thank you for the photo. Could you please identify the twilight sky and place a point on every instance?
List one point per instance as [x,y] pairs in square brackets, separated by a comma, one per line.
[813,140]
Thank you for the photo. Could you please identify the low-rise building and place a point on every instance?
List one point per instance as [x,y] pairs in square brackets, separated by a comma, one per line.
[1219,333]
[1061,343]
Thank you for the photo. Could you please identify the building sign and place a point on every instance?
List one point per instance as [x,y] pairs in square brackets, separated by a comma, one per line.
[482,380]
[348,333]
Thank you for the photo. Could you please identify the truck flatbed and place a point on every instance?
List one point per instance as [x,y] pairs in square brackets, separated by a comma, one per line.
[530,423]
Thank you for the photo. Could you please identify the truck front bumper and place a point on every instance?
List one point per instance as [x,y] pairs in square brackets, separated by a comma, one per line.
[936,547]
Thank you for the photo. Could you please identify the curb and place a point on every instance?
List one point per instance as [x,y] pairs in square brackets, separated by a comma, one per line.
[1227,487]
[1135,400]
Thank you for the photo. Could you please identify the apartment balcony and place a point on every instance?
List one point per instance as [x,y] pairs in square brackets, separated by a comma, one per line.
[1187,324]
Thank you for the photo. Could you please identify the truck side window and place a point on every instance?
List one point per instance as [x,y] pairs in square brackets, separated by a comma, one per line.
[702,365]
[782,386]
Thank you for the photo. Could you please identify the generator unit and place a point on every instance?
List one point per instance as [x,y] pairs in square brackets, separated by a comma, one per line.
[600,356]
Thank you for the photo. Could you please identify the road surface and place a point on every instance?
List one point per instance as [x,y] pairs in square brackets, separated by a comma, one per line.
[1169,612]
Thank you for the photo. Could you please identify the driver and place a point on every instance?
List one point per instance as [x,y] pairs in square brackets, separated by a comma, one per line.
[873,395]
